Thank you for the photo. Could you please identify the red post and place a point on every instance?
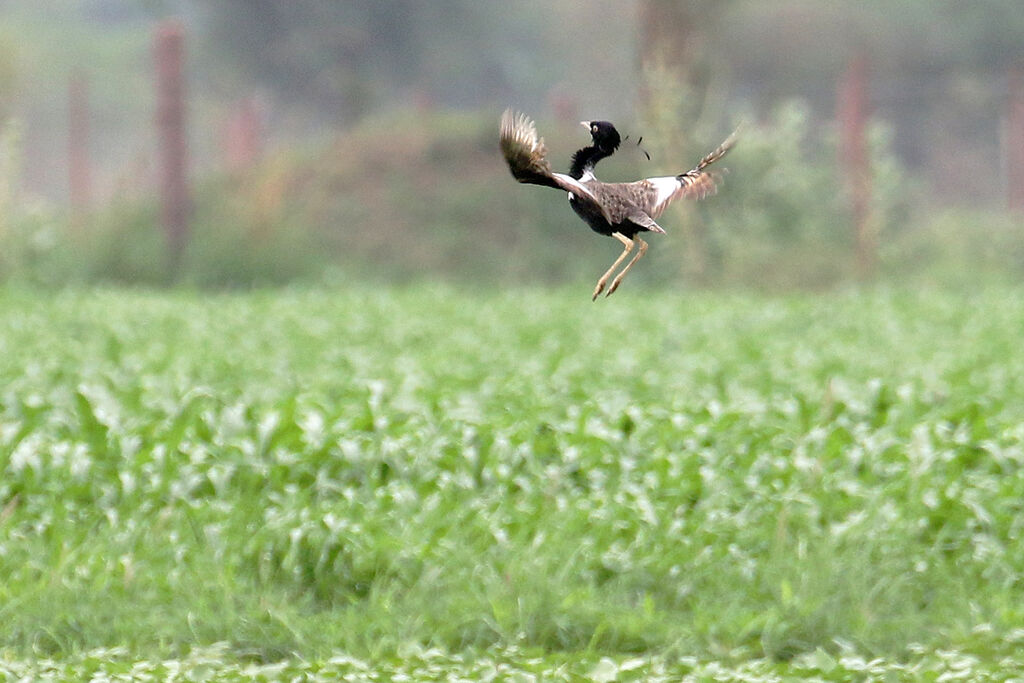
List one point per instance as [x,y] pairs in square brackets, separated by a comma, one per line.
[169,55]
[79,179]
[852,110]
[1015,138]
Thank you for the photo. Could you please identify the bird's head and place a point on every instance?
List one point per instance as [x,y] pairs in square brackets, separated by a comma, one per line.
[604,135]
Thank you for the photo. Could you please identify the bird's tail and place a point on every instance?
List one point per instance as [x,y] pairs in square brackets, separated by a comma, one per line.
[697,182]
[524,152]
[719,151]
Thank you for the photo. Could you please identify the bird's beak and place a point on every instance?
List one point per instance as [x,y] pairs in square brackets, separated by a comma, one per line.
[585,124]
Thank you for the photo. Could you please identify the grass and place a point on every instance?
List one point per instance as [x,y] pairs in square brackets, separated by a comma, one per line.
[423,479]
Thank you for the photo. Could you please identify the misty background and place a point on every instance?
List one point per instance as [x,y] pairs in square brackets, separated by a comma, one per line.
[339,141]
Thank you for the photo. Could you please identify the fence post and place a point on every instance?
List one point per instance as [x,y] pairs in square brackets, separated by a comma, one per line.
[852,110]
[170,122]
[79,176]
[1015,138]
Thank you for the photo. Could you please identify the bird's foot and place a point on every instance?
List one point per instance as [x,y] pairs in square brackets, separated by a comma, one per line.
[615,285]
[598,290]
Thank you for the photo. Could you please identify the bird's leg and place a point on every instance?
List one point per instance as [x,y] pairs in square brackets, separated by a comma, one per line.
[628,247]
[617,280]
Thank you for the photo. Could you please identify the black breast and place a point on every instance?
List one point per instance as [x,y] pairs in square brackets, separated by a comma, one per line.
[593,217]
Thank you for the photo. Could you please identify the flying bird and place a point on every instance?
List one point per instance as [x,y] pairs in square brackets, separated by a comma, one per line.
[619,210]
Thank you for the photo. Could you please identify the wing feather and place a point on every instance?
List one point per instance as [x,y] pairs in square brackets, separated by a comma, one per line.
[526,156]
[655,194]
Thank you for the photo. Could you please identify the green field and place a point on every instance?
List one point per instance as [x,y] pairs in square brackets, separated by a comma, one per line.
[443,484]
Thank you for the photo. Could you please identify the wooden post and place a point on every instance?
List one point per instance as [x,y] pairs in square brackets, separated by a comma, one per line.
[79,176]
[852,111]
[672,91]
[170,122]
[1015,138]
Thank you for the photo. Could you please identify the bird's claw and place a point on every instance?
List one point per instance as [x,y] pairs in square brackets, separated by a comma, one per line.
[600,288]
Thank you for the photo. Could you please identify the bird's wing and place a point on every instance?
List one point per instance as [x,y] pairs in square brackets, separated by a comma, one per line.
[655,194]
[570,184]
[644,221]
[526,157]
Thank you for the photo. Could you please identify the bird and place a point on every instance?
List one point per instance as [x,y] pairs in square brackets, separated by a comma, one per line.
[618,210]
[605,139]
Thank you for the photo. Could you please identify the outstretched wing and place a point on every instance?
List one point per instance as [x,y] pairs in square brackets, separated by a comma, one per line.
[654,195]
[526,156]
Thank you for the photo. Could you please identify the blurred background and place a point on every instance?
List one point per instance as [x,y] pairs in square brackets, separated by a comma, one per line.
[246,143]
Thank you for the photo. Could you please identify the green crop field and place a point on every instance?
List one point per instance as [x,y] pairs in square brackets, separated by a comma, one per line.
[450,485]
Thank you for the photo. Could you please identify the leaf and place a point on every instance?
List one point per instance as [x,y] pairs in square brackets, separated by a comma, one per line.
[94,431]
[604,671]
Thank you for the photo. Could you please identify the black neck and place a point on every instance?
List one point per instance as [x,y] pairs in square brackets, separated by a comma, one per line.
[585,159]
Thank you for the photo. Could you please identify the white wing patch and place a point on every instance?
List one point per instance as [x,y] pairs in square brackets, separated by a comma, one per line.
[666,186]
[575,184]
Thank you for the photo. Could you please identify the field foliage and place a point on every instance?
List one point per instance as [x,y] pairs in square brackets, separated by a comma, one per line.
[652,485]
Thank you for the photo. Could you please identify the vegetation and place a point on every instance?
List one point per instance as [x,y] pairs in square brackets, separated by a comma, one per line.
[428,480]
[411,196]
[398,465]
